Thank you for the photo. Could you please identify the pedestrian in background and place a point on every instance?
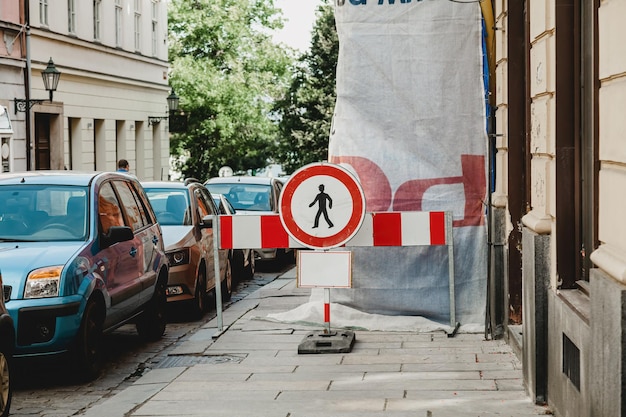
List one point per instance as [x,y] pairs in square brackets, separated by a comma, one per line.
[123,166]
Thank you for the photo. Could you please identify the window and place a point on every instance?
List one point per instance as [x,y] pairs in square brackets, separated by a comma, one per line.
[41,213]
[97,9]
[213,207]
[109,210]
[43,12]
[137,25]
[155,27]
[71,16]
[204,207]
[6,144]
[118,23]
[137,218]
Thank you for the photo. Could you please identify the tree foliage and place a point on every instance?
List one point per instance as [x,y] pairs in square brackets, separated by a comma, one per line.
[228,73]
[307,108]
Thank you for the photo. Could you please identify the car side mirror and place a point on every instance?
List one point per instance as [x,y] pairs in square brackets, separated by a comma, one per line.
[117,234]
[207,222]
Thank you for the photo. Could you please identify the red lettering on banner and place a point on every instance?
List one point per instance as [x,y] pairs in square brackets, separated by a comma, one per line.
[387,229]
[373,181]
[273,234]
[226,232]
[410,194]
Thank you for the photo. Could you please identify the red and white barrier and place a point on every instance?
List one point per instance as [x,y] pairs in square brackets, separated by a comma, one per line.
[378,229]
[404,228]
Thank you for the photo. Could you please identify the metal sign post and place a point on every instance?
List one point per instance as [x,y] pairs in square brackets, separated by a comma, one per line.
[450,242]
[218,278]
[322,206]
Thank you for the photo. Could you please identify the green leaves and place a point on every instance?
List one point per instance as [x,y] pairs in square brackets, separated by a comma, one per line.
[306,109]
[248,101]
[228,74]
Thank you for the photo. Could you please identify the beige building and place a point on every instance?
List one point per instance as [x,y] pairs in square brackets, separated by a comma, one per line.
[110,102]
[558,205]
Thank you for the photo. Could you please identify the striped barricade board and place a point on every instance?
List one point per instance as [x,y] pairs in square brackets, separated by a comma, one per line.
[378,229]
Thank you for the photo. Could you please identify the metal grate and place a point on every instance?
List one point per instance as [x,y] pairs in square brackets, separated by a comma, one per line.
[571,361]
[190,360]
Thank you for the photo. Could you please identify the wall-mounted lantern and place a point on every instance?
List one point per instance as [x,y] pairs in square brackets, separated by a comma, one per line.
[172,105]
[51,76]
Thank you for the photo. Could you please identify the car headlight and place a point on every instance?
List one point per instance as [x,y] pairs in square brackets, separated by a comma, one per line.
[43,282]
[178,257]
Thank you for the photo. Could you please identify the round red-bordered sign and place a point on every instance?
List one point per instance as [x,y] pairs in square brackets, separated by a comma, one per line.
[322,206]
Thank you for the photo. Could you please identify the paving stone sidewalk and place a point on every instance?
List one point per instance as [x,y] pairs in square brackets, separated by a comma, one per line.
[253,369]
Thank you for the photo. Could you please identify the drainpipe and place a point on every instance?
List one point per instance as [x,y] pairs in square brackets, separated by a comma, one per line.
[27,82]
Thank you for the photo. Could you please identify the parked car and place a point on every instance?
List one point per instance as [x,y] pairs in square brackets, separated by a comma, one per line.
[252,195]
[243,259]
[185,212]
[7,345]
[81,254]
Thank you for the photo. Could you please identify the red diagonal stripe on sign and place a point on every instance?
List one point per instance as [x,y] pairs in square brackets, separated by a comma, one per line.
[273,234]
[437,228]
[226,232]
[387,229]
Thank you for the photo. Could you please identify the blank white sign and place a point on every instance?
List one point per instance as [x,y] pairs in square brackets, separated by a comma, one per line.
[324,269]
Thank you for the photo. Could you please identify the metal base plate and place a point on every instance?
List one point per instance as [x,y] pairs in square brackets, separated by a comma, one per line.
[333,342]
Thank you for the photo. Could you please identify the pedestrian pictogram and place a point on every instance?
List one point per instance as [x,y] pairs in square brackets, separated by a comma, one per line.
[322,191]
[321,199]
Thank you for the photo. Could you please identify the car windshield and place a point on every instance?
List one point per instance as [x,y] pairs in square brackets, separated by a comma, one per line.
[171,206]
[41,213]
[253,197]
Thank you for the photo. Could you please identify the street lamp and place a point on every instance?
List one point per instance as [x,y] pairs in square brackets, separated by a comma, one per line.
[172,104]
[51,76]
[172,101]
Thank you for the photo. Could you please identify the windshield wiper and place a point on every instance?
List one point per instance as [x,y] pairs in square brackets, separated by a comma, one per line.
[10,239]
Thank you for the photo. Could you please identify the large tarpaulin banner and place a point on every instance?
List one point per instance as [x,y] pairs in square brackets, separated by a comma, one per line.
[410,123]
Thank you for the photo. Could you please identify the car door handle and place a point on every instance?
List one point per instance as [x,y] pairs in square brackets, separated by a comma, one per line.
[133,251]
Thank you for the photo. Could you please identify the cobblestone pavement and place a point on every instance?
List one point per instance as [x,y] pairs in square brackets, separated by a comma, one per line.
[47,389]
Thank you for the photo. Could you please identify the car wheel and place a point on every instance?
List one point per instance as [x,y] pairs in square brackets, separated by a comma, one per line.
[199,302]
[89,348]
[6,388]
[151,323]
[249,270]
[227,283]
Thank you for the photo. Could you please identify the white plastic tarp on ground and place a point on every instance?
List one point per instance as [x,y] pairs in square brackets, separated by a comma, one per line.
[410,123]
[344,317]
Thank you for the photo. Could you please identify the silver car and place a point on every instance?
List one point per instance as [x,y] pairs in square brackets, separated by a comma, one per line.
[252,195]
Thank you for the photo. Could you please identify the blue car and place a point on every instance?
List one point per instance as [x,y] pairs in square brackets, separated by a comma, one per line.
[81,254]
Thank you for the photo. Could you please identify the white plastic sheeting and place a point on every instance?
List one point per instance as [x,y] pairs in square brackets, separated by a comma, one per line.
[410,123]
[344,317]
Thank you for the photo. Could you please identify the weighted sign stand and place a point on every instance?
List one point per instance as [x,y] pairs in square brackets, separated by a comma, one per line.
[322,206]
[325,269]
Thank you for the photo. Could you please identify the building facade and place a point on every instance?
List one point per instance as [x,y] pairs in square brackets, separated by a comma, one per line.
[110,102]
[557,206]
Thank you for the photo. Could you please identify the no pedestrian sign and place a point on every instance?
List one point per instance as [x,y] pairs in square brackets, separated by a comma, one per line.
[322,206]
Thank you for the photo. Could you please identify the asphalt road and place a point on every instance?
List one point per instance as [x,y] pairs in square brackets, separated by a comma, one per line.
[48,388]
